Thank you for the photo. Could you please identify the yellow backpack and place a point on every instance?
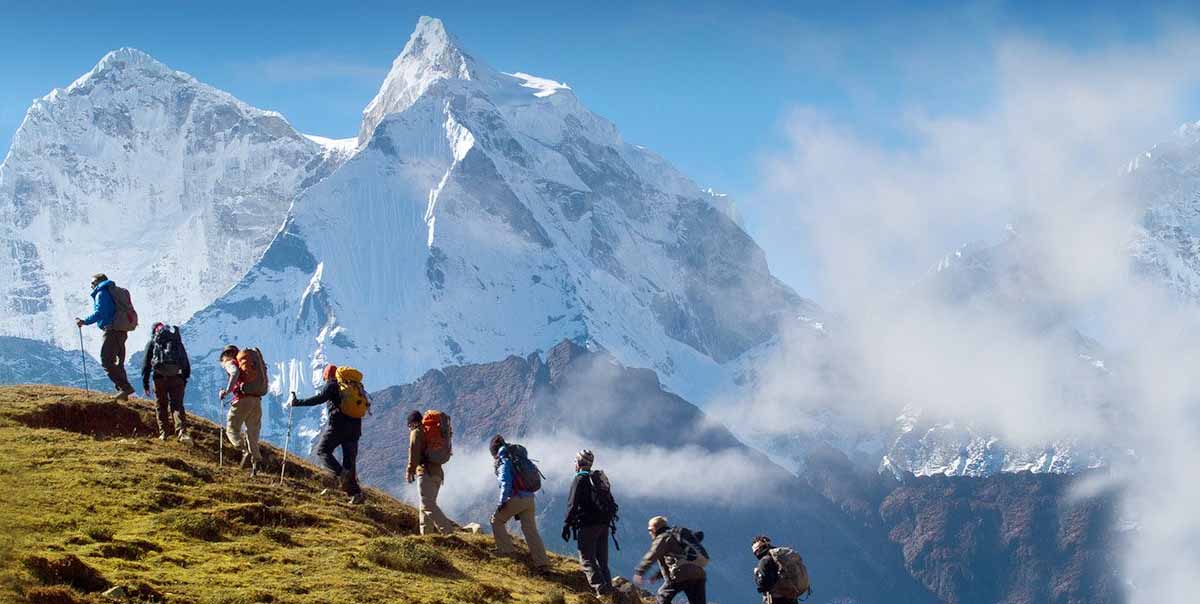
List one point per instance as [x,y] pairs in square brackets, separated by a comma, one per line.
[354,400]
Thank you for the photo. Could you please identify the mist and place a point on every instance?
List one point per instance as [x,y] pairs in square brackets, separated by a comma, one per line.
[1036,182]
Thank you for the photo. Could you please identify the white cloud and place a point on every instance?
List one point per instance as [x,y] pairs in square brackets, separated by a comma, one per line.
[1044,154]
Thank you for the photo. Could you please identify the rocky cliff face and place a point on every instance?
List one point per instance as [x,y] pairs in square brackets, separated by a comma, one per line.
[1018,538]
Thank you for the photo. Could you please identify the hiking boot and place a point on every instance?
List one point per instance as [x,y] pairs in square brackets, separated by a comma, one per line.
[185,439]
[162,436]
[121,396]
[344,479]
[358,499]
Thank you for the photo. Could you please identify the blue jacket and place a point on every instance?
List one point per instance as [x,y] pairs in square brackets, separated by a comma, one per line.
[508,478]
[103,306]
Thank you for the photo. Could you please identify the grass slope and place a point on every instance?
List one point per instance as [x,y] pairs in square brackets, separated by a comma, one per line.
[92,499]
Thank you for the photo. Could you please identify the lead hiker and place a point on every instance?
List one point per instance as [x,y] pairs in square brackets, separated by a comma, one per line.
[166,359]
[591,512]
[248,383]
[682,560]
[113,313]
[781,576]
[429,447]
[348,403]
[519,479]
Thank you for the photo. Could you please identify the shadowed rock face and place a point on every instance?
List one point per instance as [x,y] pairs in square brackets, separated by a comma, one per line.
[1012,538]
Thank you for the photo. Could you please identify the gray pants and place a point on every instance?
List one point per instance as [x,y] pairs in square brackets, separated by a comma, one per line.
[246,411]
[593,556]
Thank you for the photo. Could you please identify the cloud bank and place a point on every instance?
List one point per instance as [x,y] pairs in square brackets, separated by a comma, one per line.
[1042,161]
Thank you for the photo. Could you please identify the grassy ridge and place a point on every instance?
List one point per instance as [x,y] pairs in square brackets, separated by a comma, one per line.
[91,499]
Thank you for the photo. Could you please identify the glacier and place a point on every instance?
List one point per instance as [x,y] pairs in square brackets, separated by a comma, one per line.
[170,186]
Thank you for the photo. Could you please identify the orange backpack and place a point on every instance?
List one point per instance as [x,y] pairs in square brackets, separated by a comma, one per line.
[435,425]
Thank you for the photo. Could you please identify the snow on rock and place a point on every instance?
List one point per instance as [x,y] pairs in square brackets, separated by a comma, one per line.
[480,218]
[170,186]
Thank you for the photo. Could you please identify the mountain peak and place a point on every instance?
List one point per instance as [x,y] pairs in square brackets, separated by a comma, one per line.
[431,55]
[117,62]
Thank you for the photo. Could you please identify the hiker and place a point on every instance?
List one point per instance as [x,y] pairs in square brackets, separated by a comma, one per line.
[681,558]
[347,404]
[113,313]
[519,479]
[166,360]
[429,448]
[247,384]
[780,576]
[591,511]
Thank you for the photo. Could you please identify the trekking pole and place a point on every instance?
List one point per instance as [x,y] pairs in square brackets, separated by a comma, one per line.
[221,436]
[83,361]
[287,441]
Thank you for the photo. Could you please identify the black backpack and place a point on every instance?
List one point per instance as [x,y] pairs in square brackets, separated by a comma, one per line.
[603,501]
[168,358]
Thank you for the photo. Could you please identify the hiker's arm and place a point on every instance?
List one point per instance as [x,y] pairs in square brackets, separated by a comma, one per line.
[234,376]
[766,574]
[571,499]
[146,365]
[414,453]
[103,307]
[653,555]
[187,363]
[324,396]
[506,480]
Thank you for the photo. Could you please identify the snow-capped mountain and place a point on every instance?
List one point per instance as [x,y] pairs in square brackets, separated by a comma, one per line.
[170,186]
[488,214]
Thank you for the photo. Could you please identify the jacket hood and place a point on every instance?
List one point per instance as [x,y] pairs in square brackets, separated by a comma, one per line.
[101,285]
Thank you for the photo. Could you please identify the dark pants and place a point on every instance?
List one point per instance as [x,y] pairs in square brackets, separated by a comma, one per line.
[112,358]
[168,394]
[694,590]
[344,435]
[593,556]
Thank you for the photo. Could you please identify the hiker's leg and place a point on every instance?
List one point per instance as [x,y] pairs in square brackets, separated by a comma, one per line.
[253,421]
[528,518]
[589,556]
[325,449]
[431,512]
[666,593]
[602,560]
[112,359]
[350,463]
[233,427]
[162,405]
[695,591]
[121,337]
[176,389]
[499,519]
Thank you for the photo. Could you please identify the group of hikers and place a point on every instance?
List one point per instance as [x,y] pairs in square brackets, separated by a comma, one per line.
[592,512]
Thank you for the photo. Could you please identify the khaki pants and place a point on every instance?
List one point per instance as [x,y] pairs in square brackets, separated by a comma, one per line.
[432,518]
[524,509]
[246,411]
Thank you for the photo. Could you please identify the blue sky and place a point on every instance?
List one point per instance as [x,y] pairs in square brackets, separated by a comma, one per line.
[707,85]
